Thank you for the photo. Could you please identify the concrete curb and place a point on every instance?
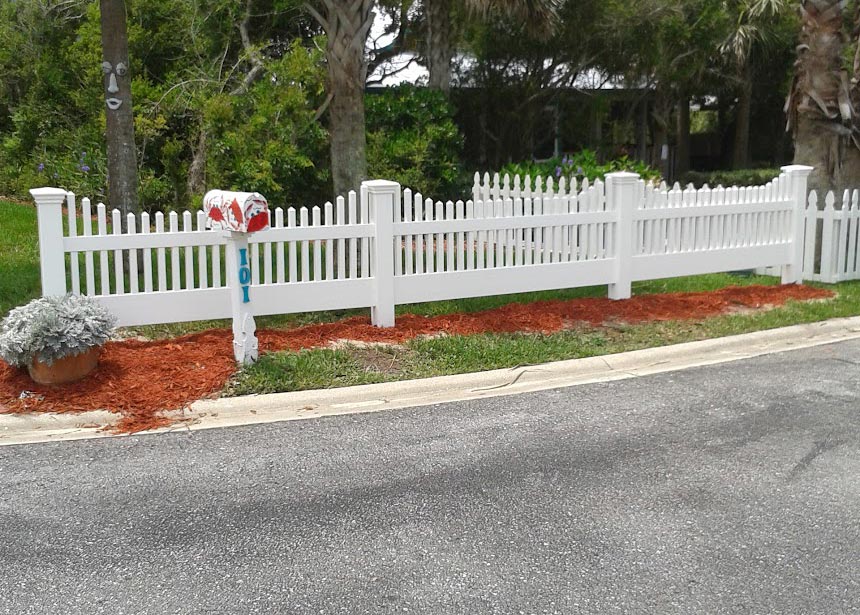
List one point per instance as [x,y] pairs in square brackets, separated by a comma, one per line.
[256,409]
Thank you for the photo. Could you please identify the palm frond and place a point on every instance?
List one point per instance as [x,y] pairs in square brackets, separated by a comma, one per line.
[538,14]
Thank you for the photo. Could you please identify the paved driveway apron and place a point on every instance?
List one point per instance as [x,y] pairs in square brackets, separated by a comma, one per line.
[723,489]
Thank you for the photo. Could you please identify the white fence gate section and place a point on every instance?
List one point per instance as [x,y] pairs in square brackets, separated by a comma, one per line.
[385,247]
[832,238]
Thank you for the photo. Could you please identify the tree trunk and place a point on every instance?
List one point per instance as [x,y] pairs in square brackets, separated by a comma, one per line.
[440,51]
[682,156]
[642,131]
[346,23]
[197,170]
[660,159]
[121,151]
[822,100]
[741,147]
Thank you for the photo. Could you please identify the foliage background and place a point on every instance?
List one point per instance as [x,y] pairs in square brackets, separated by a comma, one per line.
[195,113]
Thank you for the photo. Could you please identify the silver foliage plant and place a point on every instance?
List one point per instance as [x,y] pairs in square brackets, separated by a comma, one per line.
[54,328]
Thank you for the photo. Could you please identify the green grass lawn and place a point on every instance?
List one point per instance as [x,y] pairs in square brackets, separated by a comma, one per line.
[288,371]
[19,255]
[439,356]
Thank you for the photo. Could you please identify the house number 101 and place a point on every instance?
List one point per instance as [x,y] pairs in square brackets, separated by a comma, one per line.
[244,274]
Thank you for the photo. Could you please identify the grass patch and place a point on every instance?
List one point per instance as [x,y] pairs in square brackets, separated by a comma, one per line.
[19,245]
[446,355]
[308,369]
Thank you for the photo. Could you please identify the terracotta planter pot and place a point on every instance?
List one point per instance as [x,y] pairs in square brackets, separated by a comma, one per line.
[65,370]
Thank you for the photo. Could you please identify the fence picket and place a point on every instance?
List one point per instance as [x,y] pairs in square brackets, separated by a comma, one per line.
[268,273]
[292,249]
[364,253]
[340,272]
[439,265]
[306,250]
[103,255]
[549,231]
[852,235]
[399,242]
[459,212]
[280,249]
[842,241]
[419,238]
[481,238]
[131,224]
[428,237]
[119,269]
[329,243]
[189,252]
[510,243]
[449,237]
[173,221]
[538,204]
[353,243]
[73,232]
[147,254]
[469,248]
[811,222]
[87,225]
[317,273]
[600,229]
[827,246]
[202,264]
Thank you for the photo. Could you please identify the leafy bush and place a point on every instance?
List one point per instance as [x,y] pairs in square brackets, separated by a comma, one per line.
[412,139]
[740,177]
[53,328]
[267,140]
[583,164]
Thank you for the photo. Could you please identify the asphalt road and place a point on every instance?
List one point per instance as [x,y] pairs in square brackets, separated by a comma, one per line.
[724,489]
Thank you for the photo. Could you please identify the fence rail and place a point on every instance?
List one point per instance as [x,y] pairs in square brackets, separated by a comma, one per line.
[387,246]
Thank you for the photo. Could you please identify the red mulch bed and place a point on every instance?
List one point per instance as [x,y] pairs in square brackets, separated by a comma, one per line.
[140,379]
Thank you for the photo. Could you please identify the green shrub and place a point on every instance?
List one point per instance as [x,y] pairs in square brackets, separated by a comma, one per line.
[740,177]
[267,140]
[412,139]
[582,165]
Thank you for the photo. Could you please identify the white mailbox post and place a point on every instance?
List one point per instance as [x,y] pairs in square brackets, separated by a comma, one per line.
[238,214]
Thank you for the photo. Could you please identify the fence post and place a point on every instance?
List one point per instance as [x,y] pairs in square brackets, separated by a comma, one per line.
[798,174]
[383,199]
[52,256]
[621,192]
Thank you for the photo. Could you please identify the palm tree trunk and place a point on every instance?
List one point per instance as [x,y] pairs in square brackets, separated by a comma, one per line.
[440,50]
[820,105]
[741,147]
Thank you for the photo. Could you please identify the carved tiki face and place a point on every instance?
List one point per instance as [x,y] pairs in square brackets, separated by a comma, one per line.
[111,72]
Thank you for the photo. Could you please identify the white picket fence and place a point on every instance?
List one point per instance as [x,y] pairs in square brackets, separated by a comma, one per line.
[832,238]
[388,246]
[831,250]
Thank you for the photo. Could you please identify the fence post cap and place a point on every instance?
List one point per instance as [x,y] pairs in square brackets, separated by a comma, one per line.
[623,177]
[797,169]
[381,185]
[48,196]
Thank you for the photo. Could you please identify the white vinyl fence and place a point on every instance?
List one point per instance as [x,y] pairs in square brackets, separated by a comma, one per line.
[388,246]
[831,244]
